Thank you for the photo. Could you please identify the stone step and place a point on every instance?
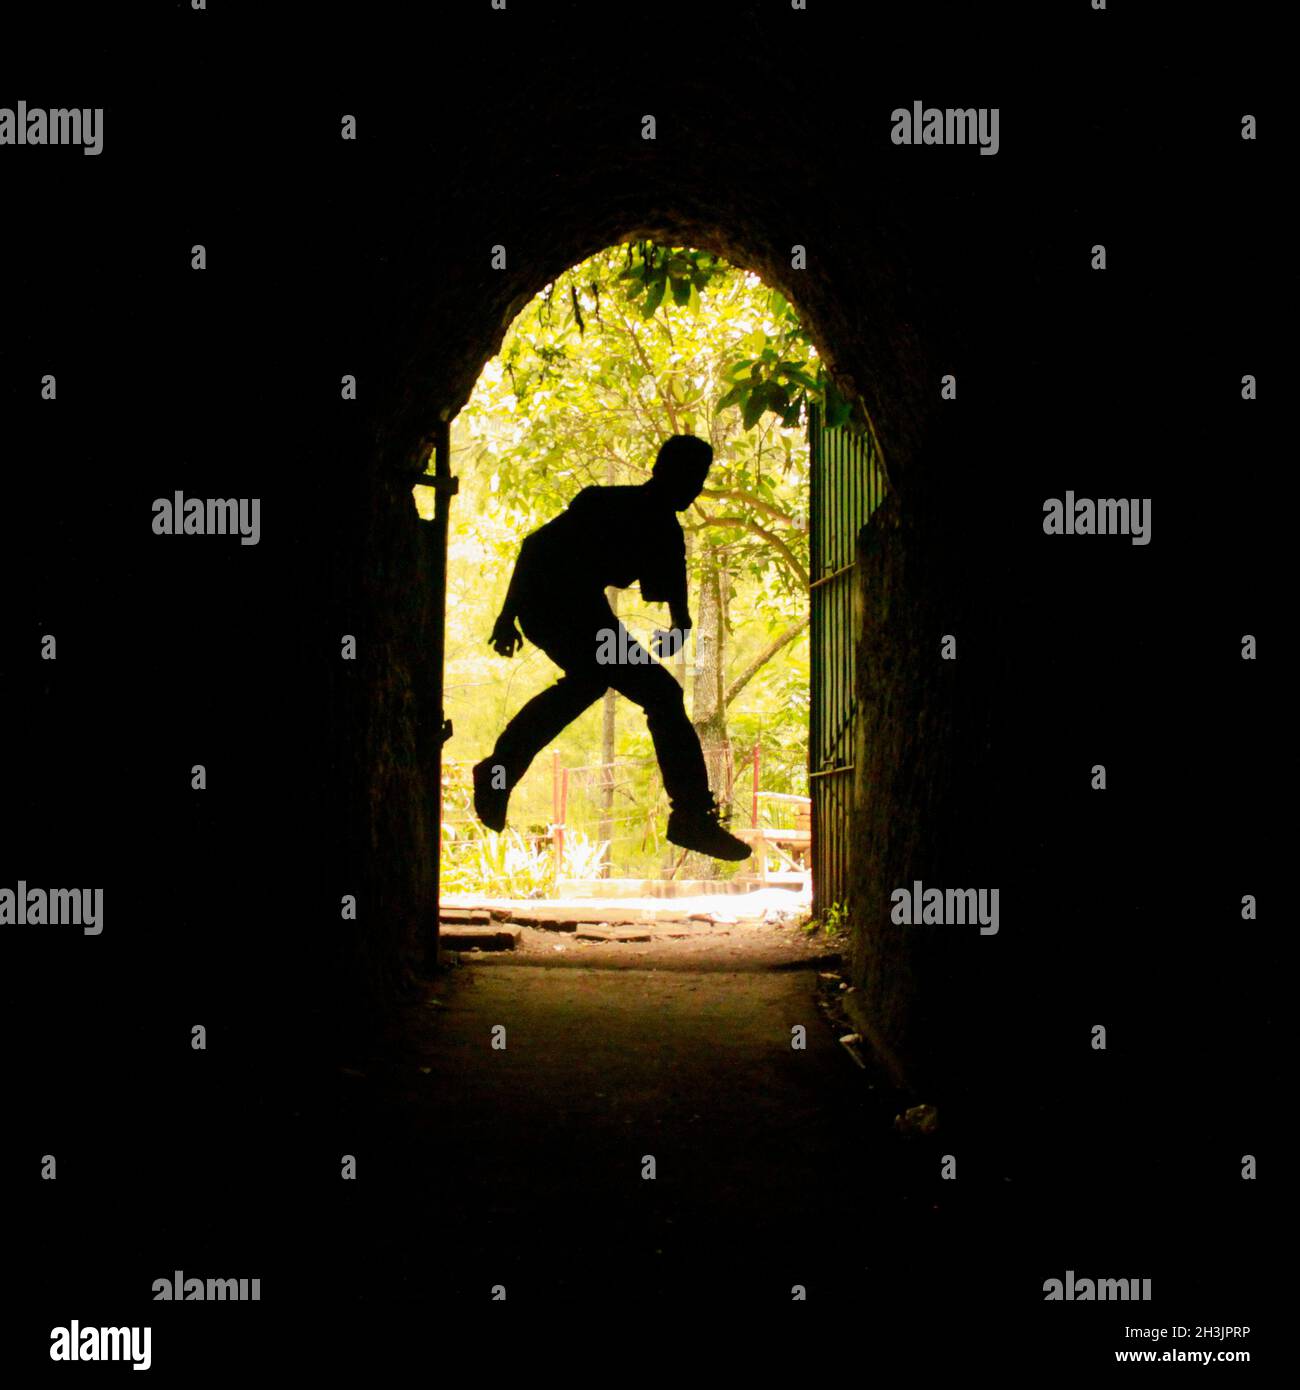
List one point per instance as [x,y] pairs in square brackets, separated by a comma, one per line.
[589,931]
[465,916]
[456,937]
[565,918]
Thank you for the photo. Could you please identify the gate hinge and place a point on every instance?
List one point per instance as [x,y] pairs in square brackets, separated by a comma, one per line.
[444,487]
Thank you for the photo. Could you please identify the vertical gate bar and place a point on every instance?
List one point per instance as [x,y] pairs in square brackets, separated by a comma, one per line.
[815,644]
[834,482]
[441,516]
[846,673]
[846,743]
[848,484]
[846,694]
[841,485]
[832,865]
[842,714]
[875,475]
[832,606]
[843,506]
[871,478]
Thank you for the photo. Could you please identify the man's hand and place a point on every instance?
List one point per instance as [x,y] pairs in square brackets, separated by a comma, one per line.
[666,644]
[506,638]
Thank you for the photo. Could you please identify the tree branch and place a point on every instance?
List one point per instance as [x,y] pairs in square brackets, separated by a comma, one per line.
[736,494]
[775,542]
[763,658]
[665,397]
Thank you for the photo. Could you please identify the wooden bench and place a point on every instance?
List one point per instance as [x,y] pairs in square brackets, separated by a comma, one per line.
[765,838]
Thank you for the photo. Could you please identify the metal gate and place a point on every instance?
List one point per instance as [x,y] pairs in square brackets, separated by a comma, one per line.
[847,485]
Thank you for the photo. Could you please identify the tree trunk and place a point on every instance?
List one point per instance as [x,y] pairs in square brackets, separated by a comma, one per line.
[607,737]
[608,730]
[681,655]
[671,854]
[708,708]
[764,657]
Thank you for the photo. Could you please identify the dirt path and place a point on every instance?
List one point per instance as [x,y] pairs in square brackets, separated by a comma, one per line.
[534,1155]
[668,946]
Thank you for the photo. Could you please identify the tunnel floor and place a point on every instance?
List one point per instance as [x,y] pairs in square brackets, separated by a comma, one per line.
[666,944]
[525,1162]
[519,1169]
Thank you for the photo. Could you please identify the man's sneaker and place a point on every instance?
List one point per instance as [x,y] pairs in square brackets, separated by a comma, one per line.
[703,832]
[489,802]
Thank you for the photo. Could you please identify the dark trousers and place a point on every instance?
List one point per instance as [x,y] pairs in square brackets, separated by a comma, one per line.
[576,642]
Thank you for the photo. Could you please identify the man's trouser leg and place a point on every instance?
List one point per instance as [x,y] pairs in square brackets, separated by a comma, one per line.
[577,644]
[543,718]
[677,746]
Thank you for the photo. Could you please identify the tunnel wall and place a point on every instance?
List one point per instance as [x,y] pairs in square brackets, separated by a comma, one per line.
[885,297]
[928,788]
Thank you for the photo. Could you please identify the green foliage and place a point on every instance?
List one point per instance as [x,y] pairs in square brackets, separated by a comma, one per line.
[508,865]
[831,923]
[652,269]
[774,715]
[780,377]
[636,343]
[514,865]
[583,856]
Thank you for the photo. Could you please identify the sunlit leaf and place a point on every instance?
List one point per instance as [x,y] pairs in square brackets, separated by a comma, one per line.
[654,297]
[755,405]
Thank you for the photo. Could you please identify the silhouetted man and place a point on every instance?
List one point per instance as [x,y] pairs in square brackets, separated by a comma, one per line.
[609,537]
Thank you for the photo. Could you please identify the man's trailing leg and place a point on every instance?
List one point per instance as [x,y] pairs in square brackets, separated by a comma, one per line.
[490,802]
[701,829]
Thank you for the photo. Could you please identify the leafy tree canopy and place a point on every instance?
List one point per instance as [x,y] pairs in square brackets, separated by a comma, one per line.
[635,344]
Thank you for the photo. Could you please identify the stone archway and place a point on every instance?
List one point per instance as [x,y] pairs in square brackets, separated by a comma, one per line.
[857,302]
[876,358]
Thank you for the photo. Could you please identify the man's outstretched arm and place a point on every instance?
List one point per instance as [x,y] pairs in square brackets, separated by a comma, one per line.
[668,644]
[506,639]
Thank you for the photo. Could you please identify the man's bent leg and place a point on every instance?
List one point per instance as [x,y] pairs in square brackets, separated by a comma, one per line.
[571,637]
[693,822]
[677,746]
[543,718]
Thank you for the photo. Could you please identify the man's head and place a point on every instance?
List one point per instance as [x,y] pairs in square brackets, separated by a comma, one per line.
[680,469]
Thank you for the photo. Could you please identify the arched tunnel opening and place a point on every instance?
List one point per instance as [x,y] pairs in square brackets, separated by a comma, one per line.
[704,1049]
[633,346]
[941,309]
